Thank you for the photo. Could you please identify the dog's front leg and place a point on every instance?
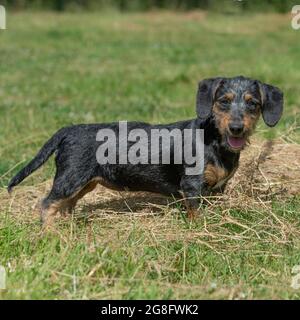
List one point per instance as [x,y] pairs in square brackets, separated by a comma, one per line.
[193,187]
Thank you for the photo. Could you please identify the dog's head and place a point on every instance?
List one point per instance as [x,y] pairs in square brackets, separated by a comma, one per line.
[235,104]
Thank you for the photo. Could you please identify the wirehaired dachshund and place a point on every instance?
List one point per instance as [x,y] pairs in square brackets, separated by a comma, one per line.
[227,109]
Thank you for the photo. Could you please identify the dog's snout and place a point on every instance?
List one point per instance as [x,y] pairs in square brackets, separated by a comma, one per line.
[236,128]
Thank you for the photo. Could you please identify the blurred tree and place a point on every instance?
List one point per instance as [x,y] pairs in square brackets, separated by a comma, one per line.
[59,5]
[124,5]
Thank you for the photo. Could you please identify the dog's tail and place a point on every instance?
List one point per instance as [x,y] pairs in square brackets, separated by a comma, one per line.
[43,155]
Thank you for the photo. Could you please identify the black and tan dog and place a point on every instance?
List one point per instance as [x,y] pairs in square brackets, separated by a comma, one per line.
[227,109]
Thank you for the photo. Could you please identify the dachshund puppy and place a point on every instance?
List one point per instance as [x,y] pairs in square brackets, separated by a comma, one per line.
[227,110]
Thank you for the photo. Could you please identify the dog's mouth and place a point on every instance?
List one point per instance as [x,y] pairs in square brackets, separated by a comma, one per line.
[236,143]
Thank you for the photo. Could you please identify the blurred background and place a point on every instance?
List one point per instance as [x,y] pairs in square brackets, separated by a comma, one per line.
[70,62]
[143,5]
[65,62]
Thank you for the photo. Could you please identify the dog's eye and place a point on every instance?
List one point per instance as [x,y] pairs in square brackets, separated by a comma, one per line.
[251,105]
[224,102]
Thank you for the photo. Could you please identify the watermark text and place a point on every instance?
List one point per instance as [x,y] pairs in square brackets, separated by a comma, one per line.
[296,17]
[125,145]
[2,17]
[2,278]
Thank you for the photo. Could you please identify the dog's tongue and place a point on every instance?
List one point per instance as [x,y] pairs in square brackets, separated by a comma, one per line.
[236,143]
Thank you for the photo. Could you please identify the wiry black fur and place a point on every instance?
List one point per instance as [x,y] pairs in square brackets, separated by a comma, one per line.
[76,148]
[43,155]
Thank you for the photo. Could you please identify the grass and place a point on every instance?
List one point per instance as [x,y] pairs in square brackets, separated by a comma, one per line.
[74,68]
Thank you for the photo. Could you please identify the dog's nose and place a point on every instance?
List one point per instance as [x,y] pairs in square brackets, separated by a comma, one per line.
[236,128]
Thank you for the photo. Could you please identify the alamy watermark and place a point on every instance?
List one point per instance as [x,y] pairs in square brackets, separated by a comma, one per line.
[2,278]
[2,17]
[296,17]
[153,146]
[295,283]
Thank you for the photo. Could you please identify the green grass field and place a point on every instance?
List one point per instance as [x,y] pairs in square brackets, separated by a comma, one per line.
[64,69]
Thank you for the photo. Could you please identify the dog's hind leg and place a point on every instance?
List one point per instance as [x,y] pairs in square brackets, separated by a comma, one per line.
[90,186]
[49,209]
[58,201]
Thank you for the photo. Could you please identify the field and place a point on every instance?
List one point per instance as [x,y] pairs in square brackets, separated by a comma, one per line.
[59,69]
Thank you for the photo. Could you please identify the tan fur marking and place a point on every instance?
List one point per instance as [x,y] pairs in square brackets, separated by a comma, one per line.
[222,118]
[109,185]
[213,174]
[229,95]
[250,120]
[48,215]
[192,213]
[248,97]
[71,202]
[66,205]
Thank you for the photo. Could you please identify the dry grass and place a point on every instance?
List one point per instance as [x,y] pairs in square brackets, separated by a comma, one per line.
[269,171]
[107,67]
[157,222]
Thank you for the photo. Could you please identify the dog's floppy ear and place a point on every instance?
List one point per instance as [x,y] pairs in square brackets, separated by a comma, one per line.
[205,96]
[272,104]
